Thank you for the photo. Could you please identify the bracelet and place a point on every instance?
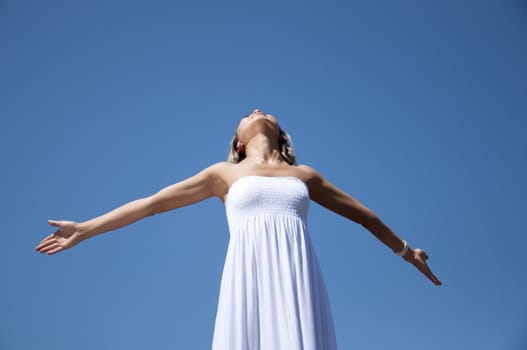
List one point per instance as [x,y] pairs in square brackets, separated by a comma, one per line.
[404,250]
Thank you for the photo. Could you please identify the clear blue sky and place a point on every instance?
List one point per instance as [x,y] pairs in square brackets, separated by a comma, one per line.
[418,109]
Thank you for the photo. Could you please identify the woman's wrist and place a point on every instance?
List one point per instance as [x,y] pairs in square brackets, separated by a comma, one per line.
[406,252]
[82,230]
[402,252]
[409,255]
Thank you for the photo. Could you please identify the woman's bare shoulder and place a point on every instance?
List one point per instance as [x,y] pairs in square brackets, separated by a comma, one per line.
[309,174]
[221,168]
[224,171]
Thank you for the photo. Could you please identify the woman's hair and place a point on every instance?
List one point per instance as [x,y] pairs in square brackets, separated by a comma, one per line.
[284,143]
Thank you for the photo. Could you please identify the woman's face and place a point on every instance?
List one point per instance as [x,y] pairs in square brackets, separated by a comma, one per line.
[255,120]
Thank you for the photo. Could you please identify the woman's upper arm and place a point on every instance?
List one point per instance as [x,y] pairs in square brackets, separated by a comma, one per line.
[331,197]
[201,186]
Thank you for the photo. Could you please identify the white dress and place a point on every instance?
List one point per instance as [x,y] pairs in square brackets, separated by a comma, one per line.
[272,294]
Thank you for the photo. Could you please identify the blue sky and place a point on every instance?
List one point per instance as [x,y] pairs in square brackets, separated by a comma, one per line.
[418,109]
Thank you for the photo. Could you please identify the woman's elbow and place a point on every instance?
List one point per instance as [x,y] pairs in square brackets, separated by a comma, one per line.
[153,206]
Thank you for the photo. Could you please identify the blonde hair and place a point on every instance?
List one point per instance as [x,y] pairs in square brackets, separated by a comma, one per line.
[285,144]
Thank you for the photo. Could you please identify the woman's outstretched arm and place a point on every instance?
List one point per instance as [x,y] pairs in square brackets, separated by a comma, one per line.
[336,200]
[201,186]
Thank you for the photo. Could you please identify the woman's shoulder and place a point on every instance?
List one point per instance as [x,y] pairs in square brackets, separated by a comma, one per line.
[305,168]
[223,171]
[219,169]
[309,172]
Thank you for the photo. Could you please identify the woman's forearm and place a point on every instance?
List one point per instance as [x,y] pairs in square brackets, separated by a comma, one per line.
[380,230]
[119,217]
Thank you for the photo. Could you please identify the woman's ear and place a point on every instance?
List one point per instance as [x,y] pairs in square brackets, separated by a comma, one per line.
[240,147]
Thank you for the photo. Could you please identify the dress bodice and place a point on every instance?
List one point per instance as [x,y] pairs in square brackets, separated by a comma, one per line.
[266,195]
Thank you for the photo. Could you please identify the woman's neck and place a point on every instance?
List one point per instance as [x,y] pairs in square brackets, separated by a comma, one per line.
[262,150]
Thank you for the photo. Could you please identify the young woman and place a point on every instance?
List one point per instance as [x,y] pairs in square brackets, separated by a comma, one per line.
[272,293]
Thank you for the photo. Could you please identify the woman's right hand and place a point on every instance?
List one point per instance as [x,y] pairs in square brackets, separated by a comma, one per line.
[66,236]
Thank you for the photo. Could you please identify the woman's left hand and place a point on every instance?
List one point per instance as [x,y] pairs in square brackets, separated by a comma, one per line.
[418,258]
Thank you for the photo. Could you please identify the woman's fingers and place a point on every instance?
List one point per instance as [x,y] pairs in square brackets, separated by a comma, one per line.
[49,243]
[46,241]
[49,247]
[46,244]
[427,272]
[434,279]
[54,246]
[51,236]
[55,250]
